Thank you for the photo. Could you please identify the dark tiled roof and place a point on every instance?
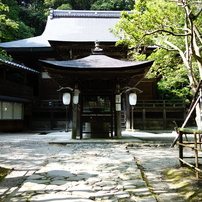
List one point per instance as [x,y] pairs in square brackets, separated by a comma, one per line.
[72,26]
[96,68]
[95,62]
[18,66]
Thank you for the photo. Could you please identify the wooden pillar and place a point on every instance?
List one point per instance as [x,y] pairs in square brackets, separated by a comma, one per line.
[74,121]
[181,147]
[144,118]
[196,154]
[164,118]
[127,113]
[117,114]
[76,128]
[51,116]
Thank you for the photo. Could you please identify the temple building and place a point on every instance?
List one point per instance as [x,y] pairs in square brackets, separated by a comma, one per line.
[77,57]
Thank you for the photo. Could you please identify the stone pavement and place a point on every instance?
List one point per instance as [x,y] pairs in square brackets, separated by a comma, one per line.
[87,172]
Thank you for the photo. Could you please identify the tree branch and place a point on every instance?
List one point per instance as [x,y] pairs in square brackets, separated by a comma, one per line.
[185,61]
[166,31]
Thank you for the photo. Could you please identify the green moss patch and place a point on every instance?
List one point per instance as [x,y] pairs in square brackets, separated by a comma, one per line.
[184,182]
[3,173]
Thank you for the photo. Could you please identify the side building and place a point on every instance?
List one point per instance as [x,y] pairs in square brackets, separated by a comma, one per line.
[18,91]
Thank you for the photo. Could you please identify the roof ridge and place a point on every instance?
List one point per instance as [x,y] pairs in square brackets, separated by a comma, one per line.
[85,13]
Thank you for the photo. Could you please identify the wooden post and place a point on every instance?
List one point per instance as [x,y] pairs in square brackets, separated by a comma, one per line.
[181,147]
[76,130]
[118,124]
[132,118]
[196,153]
[127,112]
[118,115]
[144,118]
[164,118]
[74,121]
[51,117]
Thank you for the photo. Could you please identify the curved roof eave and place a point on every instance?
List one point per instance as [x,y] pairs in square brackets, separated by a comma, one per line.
[94,62]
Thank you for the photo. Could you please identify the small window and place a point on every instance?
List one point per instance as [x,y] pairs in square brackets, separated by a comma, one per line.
[17,110]
[7,110]
[11,110]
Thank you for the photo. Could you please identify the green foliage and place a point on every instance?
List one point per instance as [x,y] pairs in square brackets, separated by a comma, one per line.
[13,28]
[73,4]
[168,26]
[65,7]
[55,3]
[113,5]
[174,85]
[185,183]
[6,24]
[135,29]
[173,81]
[4,55]
[90,4]
[34,18]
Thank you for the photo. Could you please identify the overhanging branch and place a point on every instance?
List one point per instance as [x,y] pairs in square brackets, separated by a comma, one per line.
[165,31]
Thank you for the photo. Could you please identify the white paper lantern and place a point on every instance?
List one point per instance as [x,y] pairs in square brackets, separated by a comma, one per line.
[132,98]
[66,98]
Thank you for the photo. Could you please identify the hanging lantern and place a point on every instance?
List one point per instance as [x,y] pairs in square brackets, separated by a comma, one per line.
[66,98]
[132,98]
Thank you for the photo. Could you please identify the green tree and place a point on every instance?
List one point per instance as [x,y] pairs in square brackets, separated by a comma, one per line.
[21,29]
[65,7]
[34,18]
[74,4]
[113,5]
[173,25]
[6,24]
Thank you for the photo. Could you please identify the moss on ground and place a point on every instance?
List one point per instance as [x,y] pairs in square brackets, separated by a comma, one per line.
[3,173]
[184,181]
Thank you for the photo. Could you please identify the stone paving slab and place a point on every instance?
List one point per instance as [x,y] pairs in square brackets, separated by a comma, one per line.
[87,172]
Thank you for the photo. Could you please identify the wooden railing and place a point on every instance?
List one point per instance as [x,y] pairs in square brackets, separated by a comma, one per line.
[160,104]
[194,145]
[140,104]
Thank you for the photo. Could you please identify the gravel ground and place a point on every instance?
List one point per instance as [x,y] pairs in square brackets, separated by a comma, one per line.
[26,153]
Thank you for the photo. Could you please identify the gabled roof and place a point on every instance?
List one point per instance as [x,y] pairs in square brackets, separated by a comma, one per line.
[72,26]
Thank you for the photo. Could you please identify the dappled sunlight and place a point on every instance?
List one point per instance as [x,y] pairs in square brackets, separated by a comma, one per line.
[21,153]
[87,171]
[95,168]
[185,183]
